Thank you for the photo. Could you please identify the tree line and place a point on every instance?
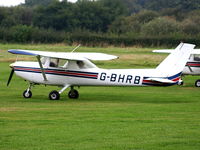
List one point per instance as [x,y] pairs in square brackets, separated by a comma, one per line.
[102,22]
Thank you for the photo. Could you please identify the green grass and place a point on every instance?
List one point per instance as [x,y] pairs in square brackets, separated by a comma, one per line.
[103,118]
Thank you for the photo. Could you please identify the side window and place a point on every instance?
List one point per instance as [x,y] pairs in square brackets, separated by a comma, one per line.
[63,63]
[54,62]
[197,57]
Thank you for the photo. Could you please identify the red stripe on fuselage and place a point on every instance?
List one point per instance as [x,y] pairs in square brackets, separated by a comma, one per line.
[57,72]
[70,73]
[193,64]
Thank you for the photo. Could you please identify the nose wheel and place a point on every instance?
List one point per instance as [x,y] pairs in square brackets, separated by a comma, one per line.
[27,94]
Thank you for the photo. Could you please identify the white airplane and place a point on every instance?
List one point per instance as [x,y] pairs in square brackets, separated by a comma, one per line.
[192,66]
[75,69]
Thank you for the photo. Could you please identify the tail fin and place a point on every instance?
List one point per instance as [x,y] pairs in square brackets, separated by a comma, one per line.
[176,61]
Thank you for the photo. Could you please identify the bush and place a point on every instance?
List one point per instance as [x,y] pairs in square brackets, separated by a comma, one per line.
[22,33]
[145,16]
[40,35]
[191,25]
[29,34]
[161,26]
[87,38]
[132,23]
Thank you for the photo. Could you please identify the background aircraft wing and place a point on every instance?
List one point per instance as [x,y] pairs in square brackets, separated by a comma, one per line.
[65,55]
[163,50]
[195,51]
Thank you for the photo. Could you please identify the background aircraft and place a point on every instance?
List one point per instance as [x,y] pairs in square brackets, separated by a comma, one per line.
[75,69]
[192,66]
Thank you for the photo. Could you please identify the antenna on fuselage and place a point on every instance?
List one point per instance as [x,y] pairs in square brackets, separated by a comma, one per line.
[76,48]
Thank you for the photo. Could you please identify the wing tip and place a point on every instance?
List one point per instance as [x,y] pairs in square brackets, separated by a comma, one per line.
[21,52]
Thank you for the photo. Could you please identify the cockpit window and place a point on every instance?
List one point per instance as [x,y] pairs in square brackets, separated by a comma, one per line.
[197,57]
[80,64]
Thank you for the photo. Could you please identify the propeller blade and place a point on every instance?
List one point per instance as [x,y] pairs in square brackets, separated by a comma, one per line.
[10,77]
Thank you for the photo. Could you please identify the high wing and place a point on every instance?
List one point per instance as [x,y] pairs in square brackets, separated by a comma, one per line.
[85,57]
[195,51]
[65,55]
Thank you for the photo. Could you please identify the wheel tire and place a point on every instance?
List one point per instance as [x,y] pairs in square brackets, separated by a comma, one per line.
[73,94]
[27,94]
[54,95]
[197,83]
[180,83]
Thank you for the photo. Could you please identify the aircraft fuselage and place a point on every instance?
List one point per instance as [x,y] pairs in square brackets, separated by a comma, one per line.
[31,72]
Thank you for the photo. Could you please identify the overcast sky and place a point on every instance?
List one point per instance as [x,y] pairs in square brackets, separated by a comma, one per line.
[16,2]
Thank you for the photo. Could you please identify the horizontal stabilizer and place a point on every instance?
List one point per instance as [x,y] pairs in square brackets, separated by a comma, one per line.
[160,80]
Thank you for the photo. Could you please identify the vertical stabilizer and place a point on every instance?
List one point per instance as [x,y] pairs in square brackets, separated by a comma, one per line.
[176,61]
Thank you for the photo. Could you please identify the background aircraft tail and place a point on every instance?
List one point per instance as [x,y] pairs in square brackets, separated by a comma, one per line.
[174,64]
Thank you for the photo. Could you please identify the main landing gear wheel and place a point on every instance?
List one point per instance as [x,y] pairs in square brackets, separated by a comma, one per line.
[73,94]
[54,95]
[27,94]
[197,83]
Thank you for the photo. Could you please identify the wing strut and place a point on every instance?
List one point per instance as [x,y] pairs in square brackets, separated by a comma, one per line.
[75,48]
[41,67]
[190,68]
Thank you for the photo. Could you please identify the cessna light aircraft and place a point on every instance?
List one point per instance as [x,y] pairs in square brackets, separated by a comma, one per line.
[76,69]
[192,66]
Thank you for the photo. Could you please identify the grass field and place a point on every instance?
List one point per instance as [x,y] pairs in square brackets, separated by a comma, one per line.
[103,118]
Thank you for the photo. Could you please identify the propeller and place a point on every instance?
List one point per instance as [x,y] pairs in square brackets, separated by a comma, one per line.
[10,77]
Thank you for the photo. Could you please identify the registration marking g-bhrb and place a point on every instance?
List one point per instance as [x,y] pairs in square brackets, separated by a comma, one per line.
[120,78]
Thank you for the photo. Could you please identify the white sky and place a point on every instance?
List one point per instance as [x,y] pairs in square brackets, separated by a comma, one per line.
[16,2]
